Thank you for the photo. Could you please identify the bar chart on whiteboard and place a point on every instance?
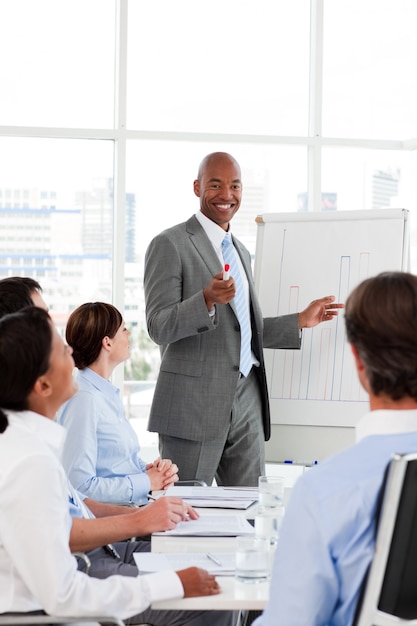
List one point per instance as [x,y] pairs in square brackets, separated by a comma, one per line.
[300,258]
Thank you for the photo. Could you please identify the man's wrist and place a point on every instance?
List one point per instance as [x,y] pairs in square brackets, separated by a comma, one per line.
[209,302]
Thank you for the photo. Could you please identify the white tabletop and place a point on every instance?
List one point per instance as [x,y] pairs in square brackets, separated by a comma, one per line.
[161,543]
[234,596]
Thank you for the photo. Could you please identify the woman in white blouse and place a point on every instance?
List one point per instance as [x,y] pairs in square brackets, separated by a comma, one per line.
[37,570]
[101,454]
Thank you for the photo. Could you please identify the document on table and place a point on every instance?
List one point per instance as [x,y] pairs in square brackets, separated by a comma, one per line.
[212,526]
[157,561]
[219,504]
[216,497]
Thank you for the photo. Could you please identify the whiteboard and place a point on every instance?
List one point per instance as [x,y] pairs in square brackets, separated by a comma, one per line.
[301,257]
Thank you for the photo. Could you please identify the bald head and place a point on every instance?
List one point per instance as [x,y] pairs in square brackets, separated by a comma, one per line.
[216,157]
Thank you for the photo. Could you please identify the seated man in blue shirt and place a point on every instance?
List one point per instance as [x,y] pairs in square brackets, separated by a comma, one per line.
[327,537]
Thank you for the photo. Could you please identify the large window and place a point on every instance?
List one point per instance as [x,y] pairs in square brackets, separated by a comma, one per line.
[108,106]
[56,217]
[234,66]
[57,63]
[369,69]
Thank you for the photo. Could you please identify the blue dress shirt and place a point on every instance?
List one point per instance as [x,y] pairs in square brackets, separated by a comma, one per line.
[326,540]
[101,451]
[77,507]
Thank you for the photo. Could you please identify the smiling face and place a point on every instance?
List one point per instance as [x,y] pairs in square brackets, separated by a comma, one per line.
[219,188]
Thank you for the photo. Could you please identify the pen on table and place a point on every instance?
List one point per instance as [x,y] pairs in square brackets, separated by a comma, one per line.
[213,558]
[226,272]
[160,494]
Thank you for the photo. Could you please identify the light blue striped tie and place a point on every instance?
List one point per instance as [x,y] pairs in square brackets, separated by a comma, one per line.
[242,309]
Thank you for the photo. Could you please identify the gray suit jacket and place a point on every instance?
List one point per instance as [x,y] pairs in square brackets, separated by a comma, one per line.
[200,354]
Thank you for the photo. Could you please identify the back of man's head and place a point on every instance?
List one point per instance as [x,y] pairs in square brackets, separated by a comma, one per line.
[381,323]
[17,292]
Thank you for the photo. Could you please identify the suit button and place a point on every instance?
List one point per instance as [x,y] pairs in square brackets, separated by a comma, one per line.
[236,368]
[237,328]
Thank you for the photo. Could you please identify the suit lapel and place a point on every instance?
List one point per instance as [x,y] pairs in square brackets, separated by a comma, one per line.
[203,245]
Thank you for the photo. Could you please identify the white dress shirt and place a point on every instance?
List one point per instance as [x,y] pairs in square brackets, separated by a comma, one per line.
[37,570]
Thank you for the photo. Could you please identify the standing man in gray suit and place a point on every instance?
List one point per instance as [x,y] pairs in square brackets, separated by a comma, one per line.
[210,405]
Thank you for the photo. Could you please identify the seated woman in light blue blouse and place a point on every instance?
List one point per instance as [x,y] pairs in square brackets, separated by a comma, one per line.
[101,453]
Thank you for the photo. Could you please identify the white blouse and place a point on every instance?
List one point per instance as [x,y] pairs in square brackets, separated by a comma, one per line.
[37,570]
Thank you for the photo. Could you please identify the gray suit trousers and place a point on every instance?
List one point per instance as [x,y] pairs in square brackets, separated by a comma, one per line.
[238,458]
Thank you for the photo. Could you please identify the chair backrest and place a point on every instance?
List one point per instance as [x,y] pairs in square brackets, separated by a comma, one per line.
[390,595]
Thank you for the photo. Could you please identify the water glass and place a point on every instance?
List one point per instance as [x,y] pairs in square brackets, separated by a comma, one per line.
[268,522]
[271,491]
[252,559]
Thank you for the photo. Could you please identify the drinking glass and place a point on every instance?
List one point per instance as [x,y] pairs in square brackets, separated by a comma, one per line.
[252,559]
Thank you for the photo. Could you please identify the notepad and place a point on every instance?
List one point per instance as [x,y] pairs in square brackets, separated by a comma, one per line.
[148,562]
[219,504]
[216,497]
[211,526]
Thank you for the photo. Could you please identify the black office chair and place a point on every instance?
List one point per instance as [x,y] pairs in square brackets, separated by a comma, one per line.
[390,590]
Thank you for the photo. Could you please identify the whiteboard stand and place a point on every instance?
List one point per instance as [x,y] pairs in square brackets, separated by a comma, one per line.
[304,256]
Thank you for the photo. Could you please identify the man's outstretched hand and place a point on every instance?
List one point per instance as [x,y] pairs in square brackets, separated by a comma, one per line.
[321,310]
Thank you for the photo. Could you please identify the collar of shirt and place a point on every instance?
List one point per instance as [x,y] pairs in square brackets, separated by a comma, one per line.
[99,382]
[214,232]
[386,422]
[48,430]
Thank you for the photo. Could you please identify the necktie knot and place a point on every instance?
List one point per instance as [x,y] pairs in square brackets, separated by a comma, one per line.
[227,241]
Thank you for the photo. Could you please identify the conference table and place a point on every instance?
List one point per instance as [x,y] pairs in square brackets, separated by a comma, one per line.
[235,595]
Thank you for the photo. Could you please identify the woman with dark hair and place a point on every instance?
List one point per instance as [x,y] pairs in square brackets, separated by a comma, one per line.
[29,349]
[37,571]
[101,453]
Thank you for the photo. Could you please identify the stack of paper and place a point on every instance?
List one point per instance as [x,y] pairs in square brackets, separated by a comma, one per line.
[218,563]
[212,526]
[219,497]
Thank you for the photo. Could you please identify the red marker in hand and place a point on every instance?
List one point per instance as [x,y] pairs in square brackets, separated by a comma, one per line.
[226,272]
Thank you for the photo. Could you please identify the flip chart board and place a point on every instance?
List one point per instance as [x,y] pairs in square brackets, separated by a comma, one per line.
[303,256]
